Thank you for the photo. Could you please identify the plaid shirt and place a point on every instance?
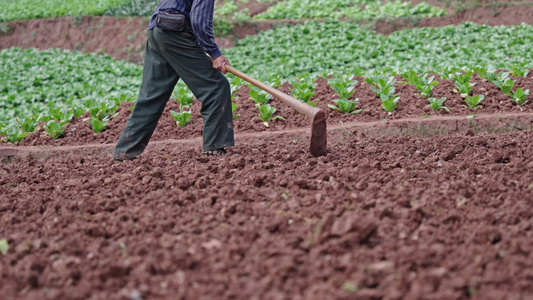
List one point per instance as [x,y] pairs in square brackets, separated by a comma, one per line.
[200,14]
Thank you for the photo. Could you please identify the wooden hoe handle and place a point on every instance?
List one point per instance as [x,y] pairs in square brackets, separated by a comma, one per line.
[296,104]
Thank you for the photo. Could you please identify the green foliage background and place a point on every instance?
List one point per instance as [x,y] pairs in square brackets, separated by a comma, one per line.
[37,9]
[348,9]
[33,81]
[328,47]
[37,83]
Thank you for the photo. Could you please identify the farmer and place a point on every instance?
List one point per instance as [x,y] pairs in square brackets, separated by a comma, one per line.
[179,37]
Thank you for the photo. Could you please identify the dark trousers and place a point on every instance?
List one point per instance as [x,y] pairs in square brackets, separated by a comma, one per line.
[170,56]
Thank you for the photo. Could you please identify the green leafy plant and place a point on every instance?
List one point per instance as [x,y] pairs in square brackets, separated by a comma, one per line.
[236,83]
[482,71]
[3,128]
[28,124]
[344,86]
[78,111]
[496,78]
[228,8]
[425,90]
[4,247]
[506,86]
[501,80]
[385,91]
[54,129]
[519,96]
[4,28]
[303,89]
[258,96]
[64,115]
[101,109]
[43,117]
[382,82]
[274,80]
[462,82]
[181,118]
[411,76]
[519,70]
[448,71]
[423,83]
[426,84]
[233,108]
[98,125]
[242,16]
[346,106]
[266,112]
[14,135]
[123,98]
[389,104]
[183,96]
[438,103]
[223,27]
[473,101]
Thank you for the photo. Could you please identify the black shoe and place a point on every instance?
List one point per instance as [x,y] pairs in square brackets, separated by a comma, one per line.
[216,152]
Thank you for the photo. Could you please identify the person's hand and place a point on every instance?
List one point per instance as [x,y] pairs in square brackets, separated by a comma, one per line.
[220,63]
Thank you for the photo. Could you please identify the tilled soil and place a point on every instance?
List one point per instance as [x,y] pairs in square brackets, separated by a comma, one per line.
[416,204]
[376,218]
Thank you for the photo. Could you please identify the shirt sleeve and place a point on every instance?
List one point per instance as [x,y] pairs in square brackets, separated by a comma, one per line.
[201,17]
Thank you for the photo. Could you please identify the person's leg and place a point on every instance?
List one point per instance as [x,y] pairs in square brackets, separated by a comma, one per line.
[159,79]
[209,85]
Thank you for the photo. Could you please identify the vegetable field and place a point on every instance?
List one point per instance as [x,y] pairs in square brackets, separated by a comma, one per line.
[32,9]
[424,192]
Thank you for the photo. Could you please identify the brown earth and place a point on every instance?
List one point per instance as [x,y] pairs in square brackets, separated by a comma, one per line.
[401,207]
[121,38]
[388,217]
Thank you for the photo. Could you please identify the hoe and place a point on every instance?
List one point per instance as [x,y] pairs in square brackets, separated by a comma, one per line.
[318,145]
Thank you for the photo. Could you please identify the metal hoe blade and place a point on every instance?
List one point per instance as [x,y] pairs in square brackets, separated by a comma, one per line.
[319,141]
